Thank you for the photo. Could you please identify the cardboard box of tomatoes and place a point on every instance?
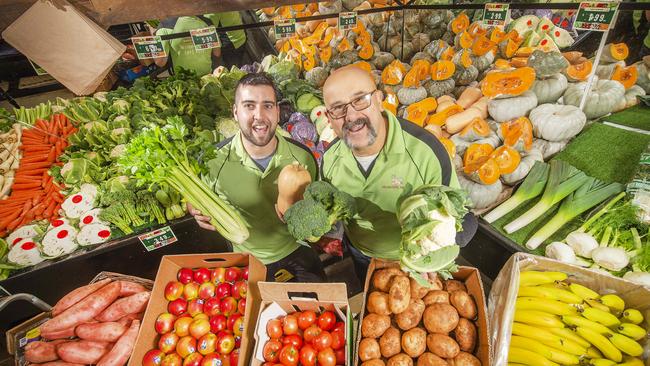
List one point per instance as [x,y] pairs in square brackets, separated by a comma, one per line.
[303,323]
[202,311]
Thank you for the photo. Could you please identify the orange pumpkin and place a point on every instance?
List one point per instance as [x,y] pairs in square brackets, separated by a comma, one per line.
[482,45]
[579,72]
[625,75]
[460,23]
[520,129]
[508,82]
[507,159]
[442,70]
[419,112]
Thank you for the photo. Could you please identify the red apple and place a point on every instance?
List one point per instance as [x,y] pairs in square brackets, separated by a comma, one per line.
[211,306]
[225,344]
[173,290]
[228,306]
[239,289]
[231,321]
[233,274]
[164,323]
[340,356]
[212,359]
[194,307]
[234,357]
[153,358]
[241,306]
[218,323]
[167,342]
[206,290]
[194,359]
[244,273]
[218,275]
[186,346]
[223,290]
[237,342]
[202,275]
[238,326]
[207,344]
[172,360]
[177,307]
[182,326]
[201,316]
[191,291]
[199,328]
[185,275]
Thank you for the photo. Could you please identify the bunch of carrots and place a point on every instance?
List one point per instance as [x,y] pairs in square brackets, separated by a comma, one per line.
[34,193]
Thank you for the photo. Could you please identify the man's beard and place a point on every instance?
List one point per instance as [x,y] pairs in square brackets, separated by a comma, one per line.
[353,125]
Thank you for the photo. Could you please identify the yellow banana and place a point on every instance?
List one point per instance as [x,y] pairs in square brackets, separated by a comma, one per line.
[567,334]
[578,321]
[596,304]
[593,352]
[631,361]
[600,316]
[552,293]
[631,330]
[601,342]
[613,302]
[515,364]
[632,316]
[520,355]
[626,345]
[601,362]
[532,278]
[549,339]
[542,319]
[584,292]
[545,305]
[552,354]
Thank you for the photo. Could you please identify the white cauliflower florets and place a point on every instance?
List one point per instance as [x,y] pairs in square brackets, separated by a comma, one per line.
[442,235]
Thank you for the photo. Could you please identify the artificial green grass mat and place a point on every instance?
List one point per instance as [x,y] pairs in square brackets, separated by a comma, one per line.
[636,117]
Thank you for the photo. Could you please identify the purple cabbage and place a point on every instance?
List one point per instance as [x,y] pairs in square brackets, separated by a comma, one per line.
[304,130]
[251,68]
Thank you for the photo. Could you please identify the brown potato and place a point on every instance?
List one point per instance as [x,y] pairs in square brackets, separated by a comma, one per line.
[436,283]
[381,279]
[374,325]
[374,363]
[414,342]
[429,359]
[410,317]
[400,360]
[464,359]
[417,291]
[436,296]
[464,303]
[390,343]
[369,349]
[466,335]
[455,285]
[378,303]
[442,345]
[440,318]
[399,295]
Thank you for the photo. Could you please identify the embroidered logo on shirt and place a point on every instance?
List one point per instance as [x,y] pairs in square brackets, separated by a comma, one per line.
[395,183]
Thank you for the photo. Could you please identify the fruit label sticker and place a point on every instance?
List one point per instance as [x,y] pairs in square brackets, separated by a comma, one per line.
[158,238]
[596,16]
[148,47]
[284,28]
[347,20]
[205,38]
[495,14]
[39,70]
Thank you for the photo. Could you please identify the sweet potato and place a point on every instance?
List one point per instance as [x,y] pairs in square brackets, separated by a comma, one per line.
[61,363]
[390,342]
[442,345]
[60,334]
[39,351]
[466,335]
[121,351]
[77,295]
[414,342]
[84,310]
[401,359]
[464,303]
[464,359]
[128,305]
[436,296]
[429,359]
[369,349]
[454,285]
[381,279]
[101,332]
[440,318]
[378,303]
[410,317]
[85,352]
[128,288]
[129,317]
[374,325]
[399,295]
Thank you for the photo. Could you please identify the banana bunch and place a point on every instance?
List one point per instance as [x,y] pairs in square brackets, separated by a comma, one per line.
[561,323]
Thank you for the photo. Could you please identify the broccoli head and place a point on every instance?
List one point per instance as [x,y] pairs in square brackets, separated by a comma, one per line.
[307,220]
[339,205]
[344,207]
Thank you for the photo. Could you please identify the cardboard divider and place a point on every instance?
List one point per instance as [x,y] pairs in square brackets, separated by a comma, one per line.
[169,266]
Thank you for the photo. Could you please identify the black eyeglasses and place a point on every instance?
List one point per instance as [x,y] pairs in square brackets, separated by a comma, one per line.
[358,104]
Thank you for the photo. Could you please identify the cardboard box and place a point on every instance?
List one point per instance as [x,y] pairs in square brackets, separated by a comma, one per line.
[19,336]
[279,299]
[472,279]
[169,266]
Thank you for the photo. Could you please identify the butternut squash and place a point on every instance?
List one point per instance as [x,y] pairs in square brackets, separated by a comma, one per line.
[440,118]
[456,122]
[292,182]
[444,102]
[469,96]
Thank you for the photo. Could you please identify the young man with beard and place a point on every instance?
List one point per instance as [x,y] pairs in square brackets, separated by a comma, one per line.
[245,173]
[374,158]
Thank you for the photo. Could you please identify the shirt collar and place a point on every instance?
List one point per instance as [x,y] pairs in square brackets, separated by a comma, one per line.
[240,153]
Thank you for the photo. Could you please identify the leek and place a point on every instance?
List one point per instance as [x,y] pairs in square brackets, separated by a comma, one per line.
[563,180]
[590,194]
[530,188]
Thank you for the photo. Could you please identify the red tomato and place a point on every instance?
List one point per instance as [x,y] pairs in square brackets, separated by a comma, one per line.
[271,350]
[326,357]
[340,356]
[289,355]
[311,333]
[306,318]
[308,356]
[274,328]
[323,341]
[340,325]
[326,321]
[293,339]
[338,339]
[290,325]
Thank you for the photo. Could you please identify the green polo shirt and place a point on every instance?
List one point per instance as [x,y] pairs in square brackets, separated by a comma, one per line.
[182,51]
[254,192]
[229,19]
[411,155]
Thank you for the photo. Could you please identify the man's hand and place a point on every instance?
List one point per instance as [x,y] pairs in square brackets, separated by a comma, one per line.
[203,221]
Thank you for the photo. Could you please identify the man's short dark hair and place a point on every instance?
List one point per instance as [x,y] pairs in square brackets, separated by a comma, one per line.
[256,79]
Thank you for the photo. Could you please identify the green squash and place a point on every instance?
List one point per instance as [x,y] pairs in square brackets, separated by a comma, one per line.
[316,77]
[630,99]
[547,64]
[484,62]
[408,96]
[382,59]
[437,89]
[506,109]
[344,58]
[421,56]
[549,90]
[465,75]
[643,80]
[434,48]
[605,96]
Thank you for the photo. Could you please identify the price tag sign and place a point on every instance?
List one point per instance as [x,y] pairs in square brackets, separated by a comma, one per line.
[347,20]
[284,28]
[596,16]
[39,70]
[158,238]
[205,38]
[495,14]
[148,47]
